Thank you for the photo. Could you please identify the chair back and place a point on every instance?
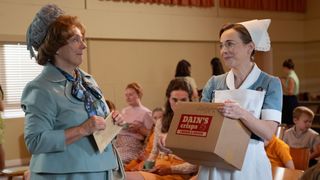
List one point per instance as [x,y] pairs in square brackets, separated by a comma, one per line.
[300,157]
[280,131]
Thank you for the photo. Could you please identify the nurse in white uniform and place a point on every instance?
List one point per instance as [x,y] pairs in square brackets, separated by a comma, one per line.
[248,94]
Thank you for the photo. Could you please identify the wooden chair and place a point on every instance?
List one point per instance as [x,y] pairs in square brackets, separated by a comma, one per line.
[14,172]
[280,131]
[300,157]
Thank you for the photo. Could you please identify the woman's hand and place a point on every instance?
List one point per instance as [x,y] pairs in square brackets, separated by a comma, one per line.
[135,127]
[162,169]
[232,110]
[117,117]
[262,128]
[92,124]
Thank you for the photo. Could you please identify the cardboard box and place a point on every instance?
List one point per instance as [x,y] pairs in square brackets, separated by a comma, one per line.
[199,134]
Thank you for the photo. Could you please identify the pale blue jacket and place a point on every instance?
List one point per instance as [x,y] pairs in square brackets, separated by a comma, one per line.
[50,109]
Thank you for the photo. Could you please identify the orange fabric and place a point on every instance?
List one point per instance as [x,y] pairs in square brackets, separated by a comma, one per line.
[149,145]
[278,152]
[167,160]
[137,164]
[269,5]
[133,165]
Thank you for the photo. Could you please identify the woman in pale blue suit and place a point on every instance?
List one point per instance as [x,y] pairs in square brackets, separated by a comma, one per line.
[63,105]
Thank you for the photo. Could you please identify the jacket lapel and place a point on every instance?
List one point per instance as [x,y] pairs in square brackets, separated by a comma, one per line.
[52,74]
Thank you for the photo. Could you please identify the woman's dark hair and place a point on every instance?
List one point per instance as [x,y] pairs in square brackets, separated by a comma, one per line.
[1,93]
[288,64]
[216,66]
[174,85]
[183,68]
[111,105]
[57,36]
[243,32]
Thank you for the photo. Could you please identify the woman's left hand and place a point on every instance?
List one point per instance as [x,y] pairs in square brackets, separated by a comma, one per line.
[162,169]
[135,127]
[231,110]
[116,116]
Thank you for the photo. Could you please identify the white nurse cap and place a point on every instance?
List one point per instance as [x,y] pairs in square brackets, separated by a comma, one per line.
[258,32]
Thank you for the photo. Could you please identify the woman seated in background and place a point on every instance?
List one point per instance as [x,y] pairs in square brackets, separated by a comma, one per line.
[166,164]
[137,122]
[137,164]
[183,71]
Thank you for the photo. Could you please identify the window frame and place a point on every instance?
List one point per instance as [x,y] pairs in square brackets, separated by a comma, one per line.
[11,102]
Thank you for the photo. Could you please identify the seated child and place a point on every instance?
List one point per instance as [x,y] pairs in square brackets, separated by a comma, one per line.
[278,153]
[137,164]
[301,135]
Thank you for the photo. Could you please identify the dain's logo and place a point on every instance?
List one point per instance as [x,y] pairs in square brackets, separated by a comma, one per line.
[194,125]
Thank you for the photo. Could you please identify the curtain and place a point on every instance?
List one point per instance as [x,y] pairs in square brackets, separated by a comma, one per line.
[268,5]
[197,3]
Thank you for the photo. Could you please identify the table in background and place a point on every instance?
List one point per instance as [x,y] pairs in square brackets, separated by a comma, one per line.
[280,173]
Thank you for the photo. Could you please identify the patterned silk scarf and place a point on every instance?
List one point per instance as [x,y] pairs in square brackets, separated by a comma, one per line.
[88,93]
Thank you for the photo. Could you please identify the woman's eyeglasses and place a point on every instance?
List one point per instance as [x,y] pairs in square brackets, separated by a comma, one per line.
[228,45]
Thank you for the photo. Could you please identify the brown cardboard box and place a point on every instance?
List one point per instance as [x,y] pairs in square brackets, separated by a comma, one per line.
[199,134]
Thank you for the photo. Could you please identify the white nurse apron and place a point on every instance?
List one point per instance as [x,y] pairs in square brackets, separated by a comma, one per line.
[256,164]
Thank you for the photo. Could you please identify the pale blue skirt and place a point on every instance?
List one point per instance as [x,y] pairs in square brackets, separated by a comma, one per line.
[70,176]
